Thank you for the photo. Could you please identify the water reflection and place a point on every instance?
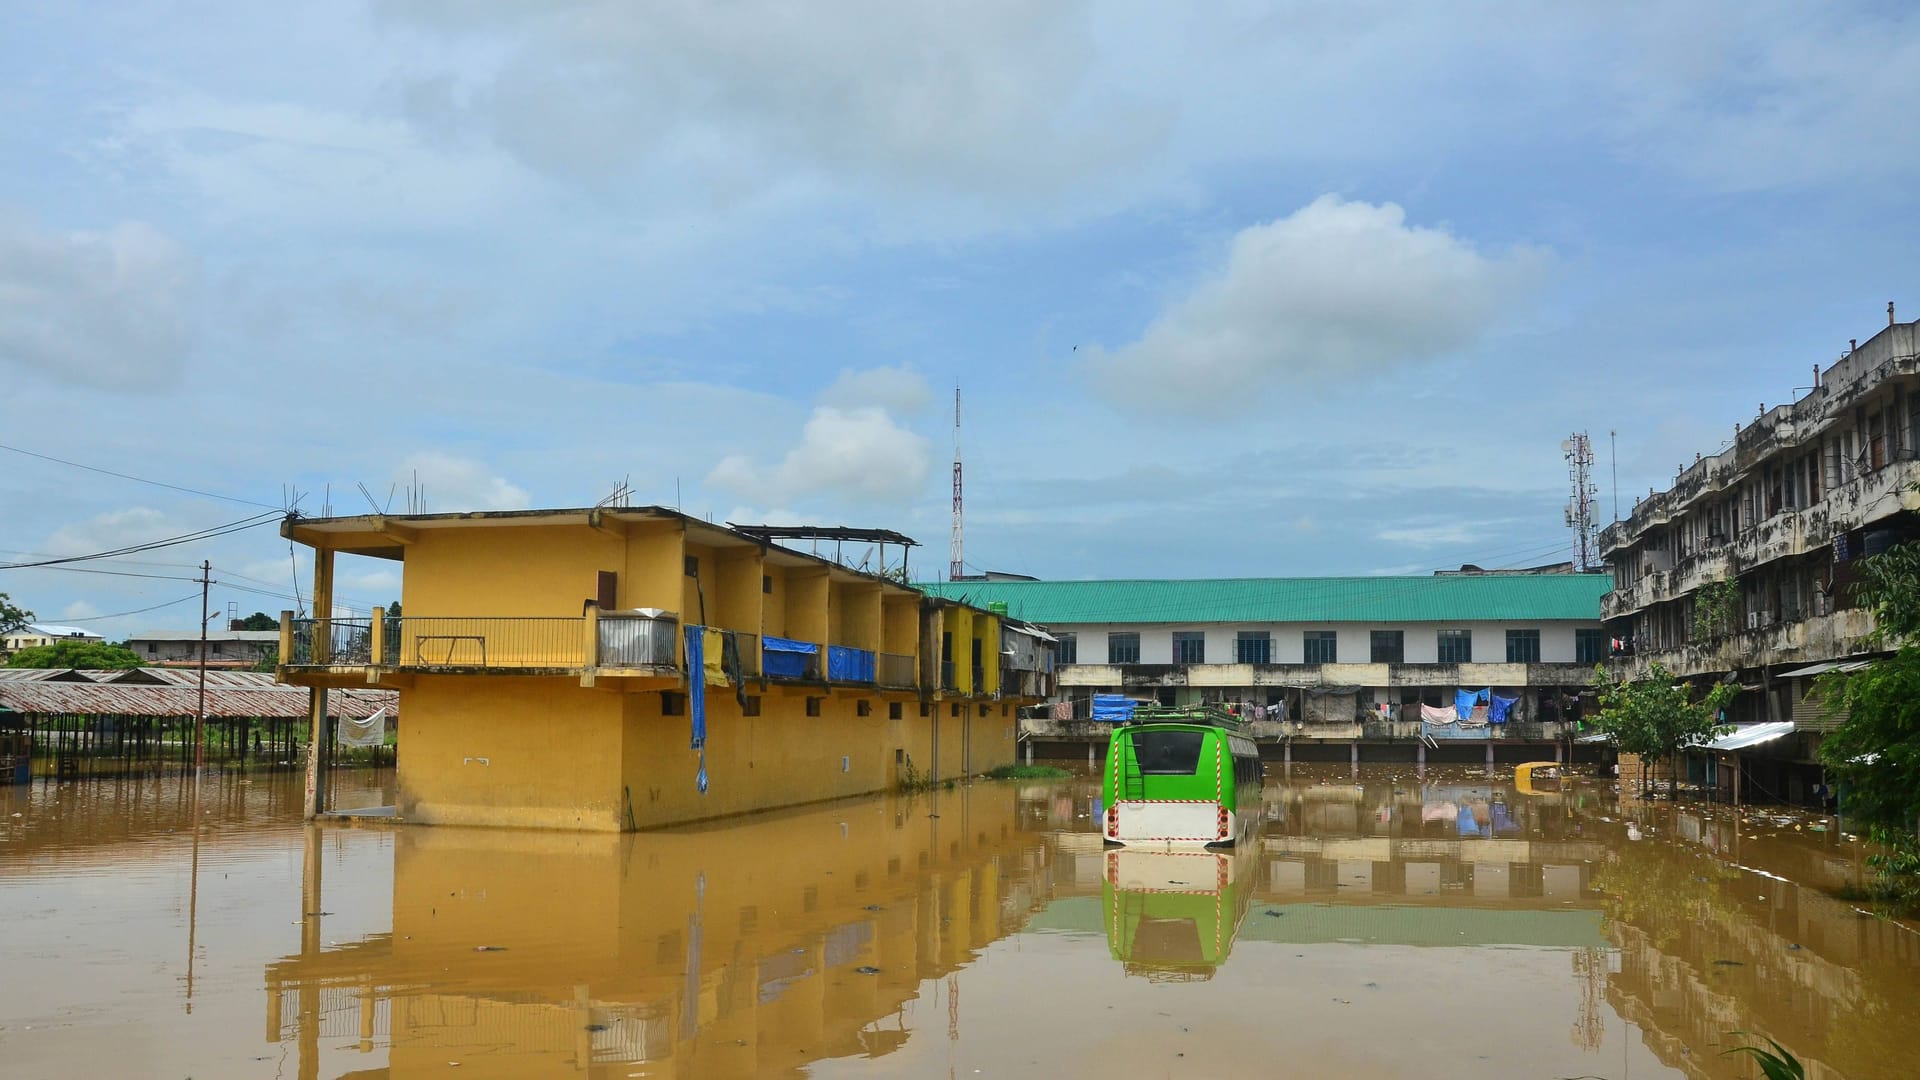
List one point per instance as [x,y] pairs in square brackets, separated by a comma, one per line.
[1557,934]
[740,949]
[1172,916]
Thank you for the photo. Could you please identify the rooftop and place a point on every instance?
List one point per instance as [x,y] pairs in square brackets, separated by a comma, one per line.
[51,630]
[1450,598]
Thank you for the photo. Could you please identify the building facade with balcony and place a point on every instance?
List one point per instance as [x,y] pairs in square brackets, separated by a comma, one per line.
[1320,658]
[1744,568]
[622,668]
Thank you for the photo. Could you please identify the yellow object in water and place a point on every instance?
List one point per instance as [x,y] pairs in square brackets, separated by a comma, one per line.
[1527,781]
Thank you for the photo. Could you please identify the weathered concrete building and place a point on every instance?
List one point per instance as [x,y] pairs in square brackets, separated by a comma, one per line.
[1320,659]
[225,648]
[1743,569]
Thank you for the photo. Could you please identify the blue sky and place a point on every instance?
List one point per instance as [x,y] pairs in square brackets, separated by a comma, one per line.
[1232,289]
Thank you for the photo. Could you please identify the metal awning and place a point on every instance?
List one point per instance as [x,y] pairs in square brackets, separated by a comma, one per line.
[1751,736]
[1593,737]
[1821,669]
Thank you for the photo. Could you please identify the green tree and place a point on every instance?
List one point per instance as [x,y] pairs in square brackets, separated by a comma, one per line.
[1713,609]
[1656,716]
[75,654]
[1875,750]
[259,620]
[12,616]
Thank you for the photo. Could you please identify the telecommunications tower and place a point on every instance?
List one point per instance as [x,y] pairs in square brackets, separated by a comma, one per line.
[1578,450]
[956,565]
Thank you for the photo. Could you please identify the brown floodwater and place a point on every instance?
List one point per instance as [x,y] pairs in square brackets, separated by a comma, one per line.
[1388,924]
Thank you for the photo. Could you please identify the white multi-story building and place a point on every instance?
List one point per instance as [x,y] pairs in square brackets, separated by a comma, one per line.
[35,635]
[1333,658]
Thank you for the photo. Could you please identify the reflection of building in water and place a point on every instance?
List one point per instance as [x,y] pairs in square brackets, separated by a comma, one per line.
[752,949]
[1172,915]
[1712,946]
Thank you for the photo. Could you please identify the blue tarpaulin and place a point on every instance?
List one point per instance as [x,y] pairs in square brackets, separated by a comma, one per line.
[1498,709]
[697,698]
[785,658]
[1465,700]
[1112,708]
[849,665]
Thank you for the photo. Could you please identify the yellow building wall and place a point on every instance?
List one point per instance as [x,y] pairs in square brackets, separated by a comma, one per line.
[900,624]
[987,629]
[529,752]
[529,571]
[654,564]
[773,604]
[737,573]
[861,624]
[807,608]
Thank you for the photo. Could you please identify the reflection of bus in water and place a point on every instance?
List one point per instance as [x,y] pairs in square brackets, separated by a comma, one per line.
[1172,914]
[1181,777]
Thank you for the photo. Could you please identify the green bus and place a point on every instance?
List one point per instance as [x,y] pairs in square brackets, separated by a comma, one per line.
[1181,777]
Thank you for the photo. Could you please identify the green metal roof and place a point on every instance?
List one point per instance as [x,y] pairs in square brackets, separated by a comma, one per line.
[1450,598]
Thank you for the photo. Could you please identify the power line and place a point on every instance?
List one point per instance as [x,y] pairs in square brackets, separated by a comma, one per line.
[136,611]
[139,479]
[204,534]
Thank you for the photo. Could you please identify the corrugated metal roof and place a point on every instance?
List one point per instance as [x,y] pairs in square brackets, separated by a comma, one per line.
[1451,598]
[96,699]
[1752,735]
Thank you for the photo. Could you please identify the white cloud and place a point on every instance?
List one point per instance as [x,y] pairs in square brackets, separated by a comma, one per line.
[107,309]
[1432,534]
[1337,289]
[111,530]
[857,453]
[79,609]
[985,97]
[899,390]
[453,484]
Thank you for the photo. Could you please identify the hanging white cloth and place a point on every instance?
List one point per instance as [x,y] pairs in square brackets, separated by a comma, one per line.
[371,731]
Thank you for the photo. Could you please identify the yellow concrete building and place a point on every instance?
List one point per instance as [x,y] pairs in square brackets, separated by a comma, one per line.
[557,668]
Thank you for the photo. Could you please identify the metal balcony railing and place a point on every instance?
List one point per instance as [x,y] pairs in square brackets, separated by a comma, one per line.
[895,669]
[847,664]
[320,642]
[946,676]
[628,641]
[785,658]
[979,680]
[439,643]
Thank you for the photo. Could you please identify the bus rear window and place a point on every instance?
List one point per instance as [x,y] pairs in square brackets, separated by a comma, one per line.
[1168,753]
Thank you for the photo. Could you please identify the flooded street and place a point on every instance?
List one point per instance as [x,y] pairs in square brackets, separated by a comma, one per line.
[1387,925]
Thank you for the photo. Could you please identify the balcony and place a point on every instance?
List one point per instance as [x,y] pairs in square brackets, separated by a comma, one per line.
[486,644]
[434,643]
[638,641]
[850,665]
[896,671]
[784,658]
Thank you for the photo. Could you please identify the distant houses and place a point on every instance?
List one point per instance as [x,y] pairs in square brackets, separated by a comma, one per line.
[225,648]
[37,635]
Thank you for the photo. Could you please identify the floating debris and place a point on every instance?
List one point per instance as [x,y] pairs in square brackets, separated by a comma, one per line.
[867,969]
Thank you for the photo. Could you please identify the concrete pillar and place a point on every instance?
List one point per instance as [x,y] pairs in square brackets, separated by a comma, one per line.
[1029,751]
[310,901]
[1420,754]
[1286,752]
[318,734]
[1558,750]
[1489,755]
[1090,762]
[1353,752]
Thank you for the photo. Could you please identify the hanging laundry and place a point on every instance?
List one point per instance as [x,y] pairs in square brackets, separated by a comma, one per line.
[1476,717]
[1465,822]
[697,700]
[1499,708]
[1436,715]
[1061,710]
[1465,700]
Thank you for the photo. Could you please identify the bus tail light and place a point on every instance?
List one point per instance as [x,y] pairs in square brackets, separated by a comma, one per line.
[1223,822]
[1113,821]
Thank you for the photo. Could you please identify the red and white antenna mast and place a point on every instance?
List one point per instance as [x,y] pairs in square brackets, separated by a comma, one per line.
[956,565]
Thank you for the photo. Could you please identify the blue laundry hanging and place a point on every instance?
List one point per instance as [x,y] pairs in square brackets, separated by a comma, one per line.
[1465,822]
[697,698]
[1499,707]
[1465,700]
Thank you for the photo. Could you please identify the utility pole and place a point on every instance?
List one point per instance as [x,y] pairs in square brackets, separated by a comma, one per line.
[200,714]
[956,564]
